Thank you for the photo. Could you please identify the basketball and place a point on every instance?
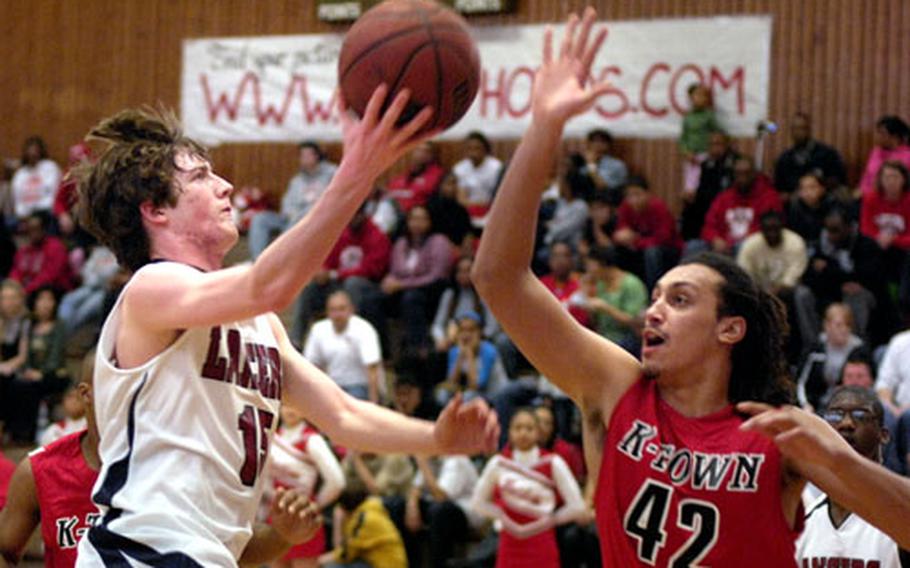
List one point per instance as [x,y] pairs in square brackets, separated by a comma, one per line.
[414,44]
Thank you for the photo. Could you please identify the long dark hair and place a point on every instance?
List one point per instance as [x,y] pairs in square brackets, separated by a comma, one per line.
[456,289]
[34,141]
[895,126]
[760,370]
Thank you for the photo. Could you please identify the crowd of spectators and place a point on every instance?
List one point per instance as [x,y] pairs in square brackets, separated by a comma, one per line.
[393,316]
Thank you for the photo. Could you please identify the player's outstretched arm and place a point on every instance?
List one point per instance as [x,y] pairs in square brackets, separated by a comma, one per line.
[815,449]
[20,516]
[462,428]
[577,360]
[183,299]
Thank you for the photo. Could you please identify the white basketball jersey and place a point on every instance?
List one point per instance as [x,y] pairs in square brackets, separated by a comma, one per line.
[855,543]
[184,438]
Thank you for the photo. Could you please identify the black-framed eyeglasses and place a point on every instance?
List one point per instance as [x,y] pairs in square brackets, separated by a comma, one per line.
[836,415]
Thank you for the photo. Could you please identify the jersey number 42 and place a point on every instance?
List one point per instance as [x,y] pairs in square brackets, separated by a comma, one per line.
[647,515]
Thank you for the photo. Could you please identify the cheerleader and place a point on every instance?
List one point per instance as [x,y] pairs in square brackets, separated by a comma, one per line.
[527,492]
[302,460]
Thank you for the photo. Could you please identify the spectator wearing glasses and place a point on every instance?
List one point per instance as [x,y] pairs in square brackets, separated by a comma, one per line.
[832,530]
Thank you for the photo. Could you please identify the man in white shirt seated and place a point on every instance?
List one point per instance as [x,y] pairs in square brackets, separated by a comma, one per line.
[440,502]
[775,257]
[478,176]
[346,347]
[833,533]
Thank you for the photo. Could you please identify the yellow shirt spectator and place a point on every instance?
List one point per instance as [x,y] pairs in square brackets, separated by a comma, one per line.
[370,536]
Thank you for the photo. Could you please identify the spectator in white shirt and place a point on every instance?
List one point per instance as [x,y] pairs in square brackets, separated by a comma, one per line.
[893,384]
[440,503]
[478,175]
[36,181]
[346,347]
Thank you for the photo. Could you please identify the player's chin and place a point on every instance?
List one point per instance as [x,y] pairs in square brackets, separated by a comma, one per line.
[230,236]
[650,368]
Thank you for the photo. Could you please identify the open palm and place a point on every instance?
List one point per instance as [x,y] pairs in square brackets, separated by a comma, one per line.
[562,86]
[466,428]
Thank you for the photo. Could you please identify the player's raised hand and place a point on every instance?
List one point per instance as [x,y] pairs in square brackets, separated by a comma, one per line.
[373,143]
[800,435]
[294,516]
[466,428]
[562,86]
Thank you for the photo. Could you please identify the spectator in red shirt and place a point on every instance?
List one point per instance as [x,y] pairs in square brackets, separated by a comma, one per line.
[357,264]
[646,231]
[735,213]
[885,217]
[420,181]
[563,279]
[43,260]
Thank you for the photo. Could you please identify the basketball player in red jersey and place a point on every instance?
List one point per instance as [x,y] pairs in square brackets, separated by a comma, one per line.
[6,473]
[53,487]
[681,481]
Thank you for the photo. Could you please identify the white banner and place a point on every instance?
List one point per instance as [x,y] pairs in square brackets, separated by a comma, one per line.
[280,88]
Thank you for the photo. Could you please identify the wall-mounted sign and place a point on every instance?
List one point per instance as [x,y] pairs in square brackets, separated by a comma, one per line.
[282,88]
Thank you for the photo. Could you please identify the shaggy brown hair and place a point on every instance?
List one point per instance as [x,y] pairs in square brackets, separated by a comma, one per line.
[137,166]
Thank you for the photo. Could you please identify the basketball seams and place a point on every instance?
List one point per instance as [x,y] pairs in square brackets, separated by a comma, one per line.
[402,71]
[439,82]
[390,49]
[458,48]
[377,44]
[446,26]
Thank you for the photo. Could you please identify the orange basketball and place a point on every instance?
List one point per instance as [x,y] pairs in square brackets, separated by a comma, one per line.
[414,44]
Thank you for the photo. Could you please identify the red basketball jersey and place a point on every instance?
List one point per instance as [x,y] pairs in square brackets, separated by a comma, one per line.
[7,468]
[63,482]
[677,491]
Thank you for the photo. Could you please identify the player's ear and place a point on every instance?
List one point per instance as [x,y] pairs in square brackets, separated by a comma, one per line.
[152,213]
[731,329]
[85,392]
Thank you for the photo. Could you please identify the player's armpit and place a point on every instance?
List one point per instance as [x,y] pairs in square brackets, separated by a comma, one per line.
[20,516]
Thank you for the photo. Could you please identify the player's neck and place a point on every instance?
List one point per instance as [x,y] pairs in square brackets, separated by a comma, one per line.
[697,392]
[174,249]
[838,513]
[89,444]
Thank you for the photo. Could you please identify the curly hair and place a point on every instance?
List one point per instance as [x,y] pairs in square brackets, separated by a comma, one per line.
[760,371]
[136,167]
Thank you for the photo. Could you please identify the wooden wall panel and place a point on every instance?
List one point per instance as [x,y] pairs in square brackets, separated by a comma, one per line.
[64,64]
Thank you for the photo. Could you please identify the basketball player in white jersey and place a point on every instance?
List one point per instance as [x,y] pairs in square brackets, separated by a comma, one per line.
[832,532]
[192,364]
